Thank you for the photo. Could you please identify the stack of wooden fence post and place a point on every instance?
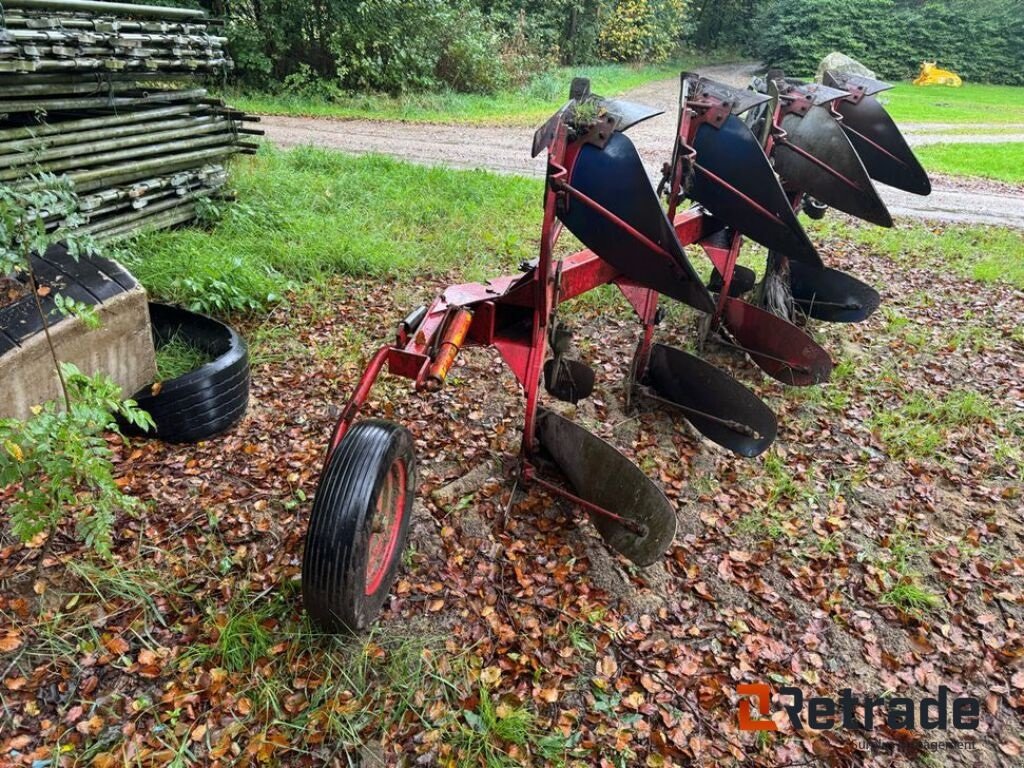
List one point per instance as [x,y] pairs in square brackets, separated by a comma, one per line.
[107,94]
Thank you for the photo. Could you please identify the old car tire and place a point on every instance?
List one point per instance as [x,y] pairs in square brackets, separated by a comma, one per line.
[209,400]
[359,525]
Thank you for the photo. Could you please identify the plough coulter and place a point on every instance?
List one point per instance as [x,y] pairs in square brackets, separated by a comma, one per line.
[748,160]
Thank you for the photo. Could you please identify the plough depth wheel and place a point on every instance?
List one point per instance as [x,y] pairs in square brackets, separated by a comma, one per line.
[359,525]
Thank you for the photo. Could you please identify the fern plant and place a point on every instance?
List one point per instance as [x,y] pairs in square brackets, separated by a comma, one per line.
[57,463]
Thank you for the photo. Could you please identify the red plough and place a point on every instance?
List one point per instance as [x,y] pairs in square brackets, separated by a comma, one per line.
[597,188]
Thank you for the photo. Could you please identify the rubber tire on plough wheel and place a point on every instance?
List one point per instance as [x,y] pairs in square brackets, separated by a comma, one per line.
[209,400]
[359,526]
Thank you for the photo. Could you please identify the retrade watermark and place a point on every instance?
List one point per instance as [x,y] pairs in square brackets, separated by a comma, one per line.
[942,712]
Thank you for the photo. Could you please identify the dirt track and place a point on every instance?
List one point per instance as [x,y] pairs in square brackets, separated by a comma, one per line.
[505,149]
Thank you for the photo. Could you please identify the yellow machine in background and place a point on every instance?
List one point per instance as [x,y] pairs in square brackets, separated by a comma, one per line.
[932,75]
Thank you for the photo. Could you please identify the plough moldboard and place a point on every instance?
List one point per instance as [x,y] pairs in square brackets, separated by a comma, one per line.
[748,161]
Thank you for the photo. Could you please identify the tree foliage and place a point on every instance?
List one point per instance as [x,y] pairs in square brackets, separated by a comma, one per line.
[566,30]
[978,40]
[465,45]
[721,23]
[641,30]
[326,46]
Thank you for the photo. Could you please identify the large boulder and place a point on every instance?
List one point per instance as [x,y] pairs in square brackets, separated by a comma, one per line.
[840,62]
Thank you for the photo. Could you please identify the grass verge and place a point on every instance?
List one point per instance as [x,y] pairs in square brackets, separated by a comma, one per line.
[970,103]
[527,105]
[967,105]
[982,253]
[1003,161]
[306,214]
[1009,129]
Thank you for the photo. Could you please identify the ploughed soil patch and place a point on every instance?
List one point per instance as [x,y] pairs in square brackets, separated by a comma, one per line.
[876,546]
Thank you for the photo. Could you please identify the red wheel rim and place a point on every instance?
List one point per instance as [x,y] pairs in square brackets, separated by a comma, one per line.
[387,523]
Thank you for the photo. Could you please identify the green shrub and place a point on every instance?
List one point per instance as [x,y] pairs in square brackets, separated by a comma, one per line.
[561,30]
[409,45]
[249,51]
[642,30]
[978,40]
[307,84]
[399,45]
[470,60]
[57,463]
[712,24]
[796,34]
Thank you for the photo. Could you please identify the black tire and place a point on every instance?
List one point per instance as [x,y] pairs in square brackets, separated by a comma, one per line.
[207,401]
[344,583]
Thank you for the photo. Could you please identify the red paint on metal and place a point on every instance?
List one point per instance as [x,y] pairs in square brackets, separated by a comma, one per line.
[387,524]
[746,198]
[691,225]
[645,303]
[620,223]
[511,313]
[358,397]
[820,163]
[875,144]
[778,347]
[724,260]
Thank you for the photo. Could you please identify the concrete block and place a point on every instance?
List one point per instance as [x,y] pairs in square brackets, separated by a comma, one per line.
[121,347]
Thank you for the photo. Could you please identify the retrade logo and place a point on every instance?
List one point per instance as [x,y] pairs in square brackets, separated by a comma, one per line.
[764,695]
[819,713]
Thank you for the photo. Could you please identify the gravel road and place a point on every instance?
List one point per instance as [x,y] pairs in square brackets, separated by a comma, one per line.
[506,150]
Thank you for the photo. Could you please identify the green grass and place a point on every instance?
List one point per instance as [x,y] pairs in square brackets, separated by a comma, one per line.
[490,734]
[528,105]
[365,687]
[243,636]
[971,103]
[307,214]
[910,596]
[918,428]
[1003,161]
[983,253]
[177,356]
[974,130]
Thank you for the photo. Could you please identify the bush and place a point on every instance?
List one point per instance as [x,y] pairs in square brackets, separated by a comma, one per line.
[59,464]
[306,83]
[714,24]
[407,45]
[978,40]
[470,59]
[796,34]
[398,45]
[522,59]
[560,30]
[642,30]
